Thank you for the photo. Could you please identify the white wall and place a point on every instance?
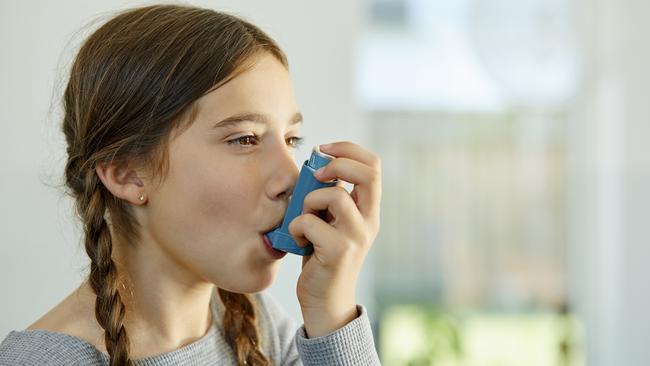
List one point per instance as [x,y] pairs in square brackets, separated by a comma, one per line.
[610,183]
[41,256]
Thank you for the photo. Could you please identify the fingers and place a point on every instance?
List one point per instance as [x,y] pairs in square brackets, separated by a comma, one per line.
[346,149]
[351,220]
[329,245]
[355,171]
[338,203]
[363,169]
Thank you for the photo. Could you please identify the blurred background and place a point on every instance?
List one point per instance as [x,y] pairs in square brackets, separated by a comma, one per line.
[516,167]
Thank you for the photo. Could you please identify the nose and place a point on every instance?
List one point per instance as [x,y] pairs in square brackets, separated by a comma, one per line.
[283,172]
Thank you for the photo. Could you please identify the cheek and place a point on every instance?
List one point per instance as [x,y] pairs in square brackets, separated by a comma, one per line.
[212,225]
[206,214]
[224,197]
[217,236]
[211,203]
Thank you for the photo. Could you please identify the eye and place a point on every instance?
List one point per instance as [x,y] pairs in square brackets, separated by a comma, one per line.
[246,139]
[297,141]
[252,140]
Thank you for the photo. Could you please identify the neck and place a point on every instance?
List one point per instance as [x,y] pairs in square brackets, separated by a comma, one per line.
[167,306]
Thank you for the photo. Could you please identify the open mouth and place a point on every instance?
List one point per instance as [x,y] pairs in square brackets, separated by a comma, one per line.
[272,251]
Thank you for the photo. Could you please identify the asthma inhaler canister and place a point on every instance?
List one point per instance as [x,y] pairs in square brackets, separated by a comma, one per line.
[280,238]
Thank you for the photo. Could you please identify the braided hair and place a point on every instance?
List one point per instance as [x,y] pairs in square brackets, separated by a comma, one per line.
[132,85]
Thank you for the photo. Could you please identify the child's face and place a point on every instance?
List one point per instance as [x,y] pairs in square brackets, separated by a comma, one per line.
[218,199]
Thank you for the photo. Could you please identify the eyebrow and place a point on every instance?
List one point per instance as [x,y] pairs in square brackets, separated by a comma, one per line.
[252,117]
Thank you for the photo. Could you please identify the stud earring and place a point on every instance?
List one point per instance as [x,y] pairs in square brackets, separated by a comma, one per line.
[141,197]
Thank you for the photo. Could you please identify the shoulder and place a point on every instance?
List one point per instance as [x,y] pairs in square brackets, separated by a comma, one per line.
[62,336]
[44,347]
[73,317]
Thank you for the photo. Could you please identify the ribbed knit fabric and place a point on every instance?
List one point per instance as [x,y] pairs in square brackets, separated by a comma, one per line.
[282,341]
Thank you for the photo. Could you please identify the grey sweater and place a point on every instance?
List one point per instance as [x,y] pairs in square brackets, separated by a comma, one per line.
[282,341]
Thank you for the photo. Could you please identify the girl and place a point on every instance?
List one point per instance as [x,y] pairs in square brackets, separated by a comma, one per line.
[181,125]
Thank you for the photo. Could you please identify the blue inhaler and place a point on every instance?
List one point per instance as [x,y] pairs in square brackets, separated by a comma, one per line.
[280,238]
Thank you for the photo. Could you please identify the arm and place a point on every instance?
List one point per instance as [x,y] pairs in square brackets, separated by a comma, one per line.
[352,344]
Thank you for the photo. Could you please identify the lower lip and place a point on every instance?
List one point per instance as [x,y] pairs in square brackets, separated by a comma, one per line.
[277,254]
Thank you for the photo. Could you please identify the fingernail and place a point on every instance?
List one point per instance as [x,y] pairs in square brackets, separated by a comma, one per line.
[325,146]
[319,172]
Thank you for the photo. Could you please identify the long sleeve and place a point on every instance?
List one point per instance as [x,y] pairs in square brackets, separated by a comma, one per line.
[281,339]
[352,344]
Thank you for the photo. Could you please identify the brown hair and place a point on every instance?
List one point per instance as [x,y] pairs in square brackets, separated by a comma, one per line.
[133,84]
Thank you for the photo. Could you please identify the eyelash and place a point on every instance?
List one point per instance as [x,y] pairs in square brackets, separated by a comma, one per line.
[298,140]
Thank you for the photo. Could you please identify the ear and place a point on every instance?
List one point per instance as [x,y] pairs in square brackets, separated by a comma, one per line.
[122,182]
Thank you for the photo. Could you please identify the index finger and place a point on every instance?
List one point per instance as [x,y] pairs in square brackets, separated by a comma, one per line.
[358,163]
[347,149]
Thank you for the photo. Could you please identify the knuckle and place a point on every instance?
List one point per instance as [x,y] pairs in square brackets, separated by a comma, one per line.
[370,234]
[375,176]
[376,162]
[340,192]
[341,196]
[366,244]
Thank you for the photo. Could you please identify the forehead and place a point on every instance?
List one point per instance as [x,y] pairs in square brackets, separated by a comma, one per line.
[265,88]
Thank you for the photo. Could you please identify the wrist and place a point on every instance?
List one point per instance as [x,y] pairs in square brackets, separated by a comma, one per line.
[319,322]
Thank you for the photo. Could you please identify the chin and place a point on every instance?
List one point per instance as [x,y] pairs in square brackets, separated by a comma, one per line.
[263,282]
[248,289]
[252,284]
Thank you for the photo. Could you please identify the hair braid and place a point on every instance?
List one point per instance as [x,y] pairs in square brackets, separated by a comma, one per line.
[240,328]
[109,308]
[125,99]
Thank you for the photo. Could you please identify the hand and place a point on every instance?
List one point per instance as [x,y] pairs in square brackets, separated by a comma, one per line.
[327,284]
